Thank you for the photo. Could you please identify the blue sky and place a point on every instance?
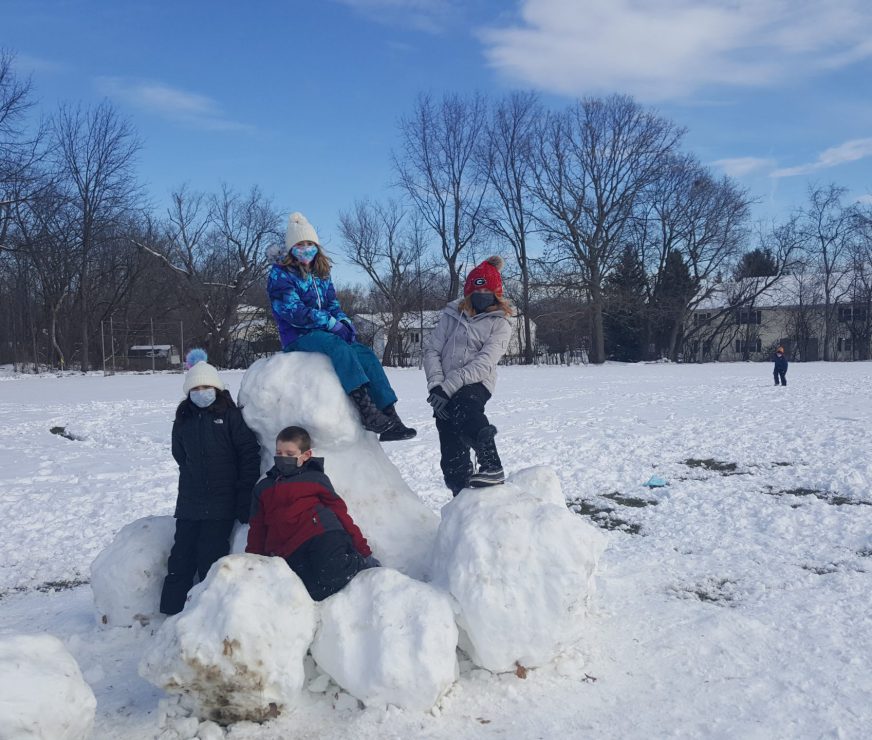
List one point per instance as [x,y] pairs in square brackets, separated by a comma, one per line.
[303,97]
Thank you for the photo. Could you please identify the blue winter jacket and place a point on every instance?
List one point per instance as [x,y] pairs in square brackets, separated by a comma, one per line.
[780,364]
[302,304]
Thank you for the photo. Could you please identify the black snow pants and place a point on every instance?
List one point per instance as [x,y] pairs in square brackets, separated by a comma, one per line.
[466,428]
[782,374]
[326,563]
[198,544]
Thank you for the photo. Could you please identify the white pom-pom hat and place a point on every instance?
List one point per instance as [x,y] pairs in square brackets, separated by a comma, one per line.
[300,230]
[202,373]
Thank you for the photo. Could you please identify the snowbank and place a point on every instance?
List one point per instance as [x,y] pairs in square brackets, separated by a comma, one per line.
[236,652]
[520,567]
[387,639]
[301,389]
[127,576]
[42,692]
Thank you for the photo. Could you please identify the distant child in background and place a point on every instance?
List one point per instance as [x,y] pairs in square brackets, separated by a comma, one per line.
[310,319]
[219,463]
[460,361]
[780,369]
[297,515]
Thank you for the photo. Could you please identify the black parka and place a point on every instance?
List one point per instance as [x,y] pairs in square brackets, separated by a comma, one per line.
[219,463]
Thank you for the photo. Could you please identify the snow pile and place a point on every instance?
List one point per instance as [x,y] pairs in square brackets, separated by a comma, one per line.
[387,639]
[301,389]
[520,566]
[236,652]
[127,576]
[42,692]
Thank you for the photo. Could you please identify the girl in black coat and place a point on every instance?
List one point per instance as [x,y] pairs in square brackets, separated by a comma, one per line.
[219,463]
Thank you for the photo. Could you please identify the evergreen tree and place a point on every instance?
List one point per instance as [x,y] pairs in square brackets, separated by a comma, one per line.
[624,315]
[757,263]
[674,290]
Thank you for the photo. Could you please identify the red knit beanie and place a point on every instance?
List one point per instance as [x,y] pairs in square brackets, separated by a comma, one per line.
[486,276]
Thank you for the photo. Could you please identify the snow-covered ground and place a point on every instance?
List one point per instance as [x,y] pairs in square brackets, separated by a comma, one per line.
[733,603]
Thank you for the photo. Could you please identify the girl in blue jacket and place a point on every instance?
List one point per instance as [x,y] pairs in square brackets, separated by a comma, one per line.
[310,319]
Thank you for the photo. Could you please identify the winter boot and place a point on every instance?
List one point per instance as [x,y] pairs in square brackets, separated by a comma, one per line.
[371,418]
[490,469]
[399,431]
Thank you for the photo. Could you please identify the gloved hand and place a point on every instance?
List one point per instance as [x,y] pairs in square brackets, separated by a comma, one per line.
[341,330]
[348,323]
[371,561]
[438,399]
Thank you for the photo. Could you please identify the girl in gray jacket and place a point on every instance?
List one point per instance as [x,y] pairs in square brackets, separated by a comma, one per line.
[460,360]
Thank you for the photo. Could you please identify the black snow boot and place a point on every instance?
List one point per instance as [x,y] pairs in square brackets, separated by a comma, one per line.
[399,431]
[371,418]
[490,469]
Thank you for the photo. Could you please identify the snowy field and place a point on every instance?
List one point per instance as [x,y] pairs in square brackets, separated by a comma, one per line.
[733,603]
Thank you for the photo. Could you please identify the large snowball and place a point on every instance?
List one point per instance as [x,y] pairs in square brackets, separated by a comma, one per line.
[236,651]
[127,576]
[387,639]
[42,692]
[520,568]
[301,389]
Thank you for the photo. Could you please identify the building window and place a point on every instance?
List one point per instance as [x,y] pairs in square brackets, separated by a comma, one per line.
[743,345]
[850,314]
[844,344]
[749,316]
[702,318]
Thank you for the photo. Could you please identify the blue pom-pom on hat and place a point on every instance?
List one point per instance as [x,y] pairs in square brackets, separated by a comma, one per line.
[194,356]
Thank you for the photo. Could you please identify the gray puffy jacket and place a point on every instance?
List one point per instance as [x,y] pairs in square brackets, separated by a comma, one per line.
[463,349]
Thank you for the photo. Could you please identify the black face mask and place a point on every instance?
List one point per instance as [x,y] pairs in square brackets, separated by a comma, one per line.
[482,301]
[285,465]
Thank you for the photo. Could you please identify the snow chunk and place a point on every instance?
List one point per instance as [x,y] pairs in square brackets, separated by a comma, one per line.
[520,567]
[387,639]
[236,651]
[127,576]
[301,389]
[42,692]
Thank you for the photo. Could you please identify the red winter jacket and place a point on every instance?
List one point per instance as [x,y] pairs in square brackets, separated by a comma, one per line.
[289,510]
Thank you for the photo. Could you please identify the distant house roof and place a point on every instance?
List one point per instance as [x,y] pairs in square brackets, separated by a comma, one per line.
[785,291]
[408,321]
[152,347]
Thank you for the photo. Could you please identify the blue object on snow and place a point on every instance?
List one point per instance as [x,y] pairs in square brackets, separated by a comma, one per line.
[655,481]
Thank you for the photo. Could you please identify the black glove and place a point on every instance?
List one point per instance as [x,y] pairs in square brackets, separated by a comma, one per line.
[438,399]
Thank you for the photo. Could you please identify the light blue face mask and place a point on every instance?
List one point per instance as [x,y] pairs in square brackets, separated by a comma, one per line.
[203,398]
[304,254]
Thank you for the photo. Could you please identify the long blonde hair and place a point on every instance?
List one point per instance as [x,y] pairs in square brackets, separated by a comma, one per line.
[320,265]
[500,304]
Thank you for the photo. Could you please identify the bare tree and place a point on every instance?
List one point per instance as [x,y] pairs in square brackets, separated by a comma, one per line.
[215,247]
[591,165]
[687,211]
[375,238]
[438,171]
[828,229]
[506,161]
[20,150]
[94,156]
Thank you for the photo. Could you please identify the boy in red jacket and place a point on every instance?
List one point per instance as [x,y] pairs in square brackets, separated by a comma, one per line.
[297,515]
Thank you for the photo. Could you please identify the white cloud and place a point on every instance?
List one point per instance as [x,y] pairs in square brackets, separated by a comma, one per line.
[667,49]
[850,151]
[421,15]
[865,199]
[180,106]
[741,166]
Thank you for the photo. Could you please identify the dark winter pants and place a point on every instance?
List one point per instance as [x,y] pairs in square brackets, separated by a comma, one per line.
[326,563]
[197,546]
[782,374]
[355,364]
[463,430]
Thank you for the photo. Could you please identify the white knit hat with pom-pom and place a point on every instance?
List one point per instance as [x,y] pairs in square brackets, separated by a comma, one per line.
[300,230]
[200,372]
